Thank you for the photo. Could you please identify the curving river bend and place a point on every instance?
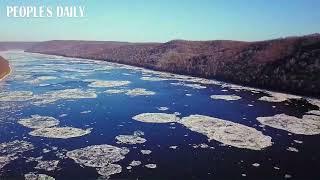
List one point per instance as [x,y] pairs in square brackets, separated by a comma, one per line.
[72,118]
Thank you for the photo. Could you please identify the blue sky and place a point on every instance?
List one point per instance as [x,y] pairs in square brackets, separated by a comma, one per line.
[164,20]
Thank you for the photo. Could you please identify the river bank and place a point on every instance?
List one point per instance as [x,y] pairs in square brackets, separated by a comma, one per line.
[5,69]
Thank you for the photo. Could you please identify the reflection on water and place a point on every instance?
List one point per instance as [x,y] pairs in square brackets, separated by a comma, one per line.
[68,118]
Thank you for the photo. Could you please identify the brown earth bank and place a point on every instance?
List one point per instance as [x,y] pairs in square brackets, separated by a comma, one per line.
[4,68]
[288,64]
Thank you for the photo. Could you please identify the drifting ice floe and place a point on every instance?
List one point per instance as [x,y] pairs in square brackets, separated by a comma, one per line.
[194,86]
[226,97]
[16,96]
[315,112]
[36,122]
[14,147]
[163,108]
[98,155]
[4,160]
[151,166]
[130,139]
[292,149]
[156,118]
[145,78]
[227,132]
[32,176]
[307,125]
[110,169]
[135,163]
[131,92]
[146,152]
[40,79]
[53,96]
[101,157]
[139,92]
[115,91]
[315,102]
[278,97]
[47,165]
[108,83]
[9,151]
[60,132]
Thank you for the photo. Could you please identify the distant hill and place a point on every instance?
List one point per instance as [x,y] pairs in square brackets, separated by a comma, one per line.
[288,64]
[15,45]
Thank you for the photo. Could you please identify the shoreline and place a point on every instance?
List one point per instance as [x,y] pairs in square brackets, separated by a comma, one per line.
[149,69]
[285,65]
[6,72]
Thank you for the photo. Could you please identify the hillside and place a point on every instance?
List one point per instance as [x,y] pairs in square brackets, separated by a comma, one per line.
[288,64]
[4,68]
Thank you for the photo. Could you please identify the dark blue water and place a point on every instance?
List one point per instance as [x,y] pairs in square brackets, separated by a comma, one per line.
[111,115]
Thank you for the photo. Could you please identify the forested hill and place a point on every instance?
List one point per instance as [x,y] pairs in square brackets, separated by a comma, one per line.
[288,64]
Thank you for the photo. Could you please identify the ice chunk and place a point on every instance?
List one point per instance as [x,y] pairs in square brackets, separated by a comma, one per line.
[227,132]
[156,118]
[139,92]
[108,83]
[47,165]
[32,176]
[226,97]
[37,121]
[307,125]
[110,169]
[60,132]
[16,96]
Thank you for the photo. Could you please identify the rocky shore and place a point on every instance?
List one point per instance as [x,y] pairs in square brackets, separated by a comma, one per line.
[4,68]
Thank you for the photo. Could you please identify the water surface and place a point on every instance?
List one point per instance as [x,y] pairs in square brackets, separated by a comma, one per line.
[110,115]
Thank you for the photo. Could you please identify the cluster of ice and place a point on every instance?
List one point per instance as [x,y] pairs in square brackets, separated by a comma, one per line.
[131,139]
[278,97]
[146,78]
[292,149]
[40,79]
[194,86]
[66,94]
[240,88]
[139,92]
[173,147]
[131,92]
[32,176]
[15,147]
[115,91]
[101,157]
[227,132]
[47,165]
[314,112]
[108,83]
[145,151]
[135,163]
[202,146]
[151,166]
[313,101]
[10,150]
[226,97]
[18,96]
[110,169]
[85,112]
[307,125]
[4,160]
[37,121]
[156,118]
[60,132]
[163,108]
